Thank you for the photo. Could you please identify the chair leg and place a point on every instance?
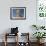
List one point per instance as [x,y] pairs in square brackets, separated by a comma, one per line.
[5,43]
[17,39]
[5,40]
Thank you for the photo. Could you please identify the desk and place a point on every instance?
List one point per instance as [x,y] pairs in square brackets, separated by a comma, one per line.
[8,34]
[27,43]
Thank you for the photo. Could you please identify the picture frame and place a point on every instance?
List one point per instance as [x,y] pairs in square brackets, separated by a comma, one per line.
[41,12]
[41,8]
[18,13]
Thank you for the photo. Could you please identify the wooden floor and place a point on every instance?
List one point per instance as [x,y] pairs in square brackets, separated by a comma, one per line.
[13,44]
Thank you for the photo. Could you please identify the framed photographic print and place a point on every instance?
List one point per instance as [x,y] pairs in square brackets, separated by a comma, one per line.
[18,13]
[41,12]
[41,8]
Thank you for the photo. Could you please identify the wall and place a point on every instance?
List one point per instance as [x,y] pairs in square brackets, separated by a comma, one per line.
[24,25]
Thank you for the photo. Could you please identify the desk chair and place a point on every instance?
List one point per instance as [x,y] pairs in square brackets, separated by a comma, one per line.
[14,32]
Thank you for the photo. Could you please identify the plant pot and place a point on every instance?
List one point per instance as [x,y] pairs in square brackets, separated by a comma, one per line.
[42,40]
[38,40]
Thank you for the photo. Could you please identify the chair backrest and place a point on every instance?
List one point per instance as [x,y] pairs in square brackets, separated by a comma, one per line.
[14,30]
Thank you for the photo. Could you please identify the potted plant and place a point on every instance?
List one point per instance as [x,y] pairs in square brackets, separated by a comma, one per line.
[39,35]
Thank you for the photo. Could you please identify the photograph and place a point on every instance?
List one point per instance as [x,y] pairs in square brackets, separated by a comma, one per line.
[18,13]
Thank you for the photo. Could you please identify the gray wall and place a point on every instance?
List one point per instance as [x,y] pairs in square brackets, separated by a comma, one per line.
[24,25]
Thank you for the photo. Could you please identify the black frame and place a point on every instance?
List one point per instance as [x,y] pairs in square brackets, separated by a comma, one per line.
[14,18]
